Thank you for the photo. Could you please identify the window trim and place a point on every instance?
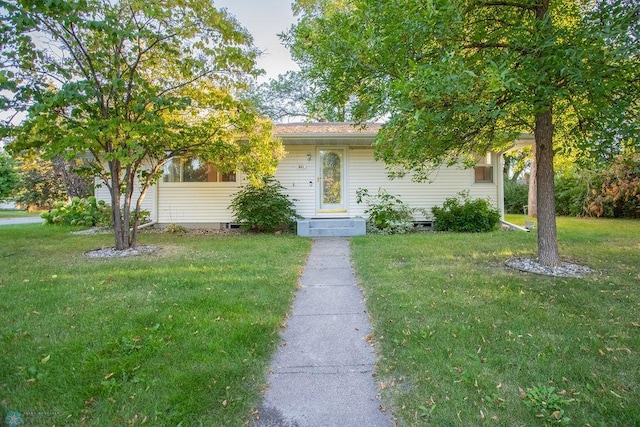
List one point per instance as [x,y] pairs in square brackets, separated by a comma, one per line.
[484,163]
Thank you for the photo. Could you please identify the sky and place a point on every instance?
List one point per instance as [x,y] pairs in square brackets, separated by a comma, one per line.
[265,19]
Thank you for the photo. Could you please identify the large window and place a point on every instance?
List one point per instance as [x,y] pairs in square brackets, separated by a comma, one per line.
[484,169]
[194,170]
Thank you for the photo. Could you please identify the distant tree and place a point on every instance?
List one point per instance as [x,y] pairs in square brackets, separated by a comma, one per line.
[9,177]
[75,184]
[41,187]
[130,85]
[461,77]
[294,97]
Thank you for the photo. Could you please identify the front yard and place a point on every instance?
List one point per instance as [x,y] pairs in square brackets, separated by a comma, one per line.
[464,341]
[184,336]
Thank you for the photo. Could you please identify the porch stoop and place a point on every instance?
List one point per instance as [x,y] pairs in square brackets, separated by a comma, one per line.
[332,227]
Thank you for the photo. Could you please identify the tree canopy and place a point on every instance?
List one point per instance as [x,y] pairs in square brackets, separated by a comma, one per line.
[468,76]
[130,84]
[293,96]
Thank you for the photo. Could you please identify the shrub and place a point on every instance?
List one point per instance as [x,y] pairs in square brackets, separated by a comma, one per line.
[571,189]
[515,196]
[618,192]
[9,177]
[87,212]
[387,213]
[175,229]
[461,214]
[264,208]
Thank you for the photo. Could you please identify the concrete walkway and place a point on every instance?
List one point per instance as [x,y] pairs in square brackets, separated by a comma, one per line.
[25,220]
[322,374]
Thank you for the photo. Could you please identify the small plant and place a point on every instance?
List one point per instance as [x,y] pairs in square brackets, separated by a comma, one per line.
[175,229]
[461,214]
[264,208]
[387,213]
[548,403]
[88,212]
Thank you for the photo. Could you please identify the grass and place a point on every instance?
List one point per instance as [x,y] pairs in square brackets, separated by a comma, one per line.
[16,213]
[182,337]
[465,341]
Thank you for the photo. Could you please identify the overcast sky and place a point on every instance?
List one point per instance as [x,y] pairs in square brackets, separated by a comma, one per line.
[265,19]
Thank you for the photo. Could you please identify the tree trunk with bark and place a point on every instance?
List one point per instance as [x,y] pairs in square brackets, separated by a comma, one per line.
[532,201]
[547,233]
[120,221]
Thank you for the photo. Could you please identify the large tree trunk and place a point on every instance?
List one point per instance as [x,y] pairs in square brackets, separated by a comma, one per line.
[120,224]
[547,233]
[532,201]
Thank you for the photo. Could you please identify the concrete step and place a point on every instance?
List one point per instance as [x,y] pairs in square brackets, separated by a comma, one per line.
[332,227]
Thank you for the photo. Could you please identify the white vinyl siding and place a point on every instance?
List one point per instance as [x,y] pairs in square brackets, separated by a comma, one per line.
[196,202]
[297,174]
[208,202]
[365,172]
[149,202]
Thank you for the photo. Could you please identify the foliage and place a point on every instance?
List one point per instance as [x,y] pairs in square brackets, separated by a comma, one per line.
[41,187]
[263,207]
[131,85]
[387,213]
[9,177]
[175,229]
[461,214]
[515,196]
[461,77]
[459,335]
[290,96]
[619,194]
[129,330]
[547,402]
[572,188]
[79,211]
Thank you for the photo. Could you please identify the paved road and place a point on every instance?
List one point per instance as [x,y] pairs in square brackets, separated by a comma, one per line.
[323,372]
[27,220]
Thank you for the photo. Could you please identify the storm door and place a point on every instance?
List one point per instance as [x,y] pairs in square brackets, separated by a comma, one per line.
[331,180]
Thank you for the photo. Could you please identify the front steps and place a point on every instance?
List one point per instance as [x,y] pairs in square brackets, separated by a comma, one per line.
[332,227]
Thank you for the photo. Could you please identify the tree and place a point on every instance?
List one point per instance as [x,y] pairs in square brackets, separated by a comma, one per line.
[290,96]
[41,187]
[464,76]
[9,177]
[128,85]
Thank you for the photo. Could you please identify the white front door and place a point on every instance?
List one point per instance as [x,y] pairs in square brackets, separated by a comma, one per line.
[331,179]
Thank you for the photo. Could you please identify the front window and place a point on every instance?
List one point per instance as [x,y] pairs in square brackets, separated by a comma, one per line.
[483,172]
[194,170]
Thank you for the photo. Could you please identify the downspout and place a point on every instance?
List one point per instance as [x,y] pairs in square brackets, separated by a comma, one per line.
[513,226]
[500,172]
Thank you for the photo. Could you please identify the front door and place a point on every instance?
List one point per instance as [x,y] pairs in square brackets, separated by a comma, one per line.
[331,180]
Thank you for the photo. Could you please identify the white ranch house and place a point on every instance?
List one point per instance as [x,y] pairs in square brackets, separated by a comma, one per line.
[325,164]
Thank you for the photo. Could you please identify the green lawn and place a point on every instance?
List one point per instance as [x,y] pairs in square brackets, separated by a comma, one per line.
[15,213]
[185,335]
[465,342]
[182,337]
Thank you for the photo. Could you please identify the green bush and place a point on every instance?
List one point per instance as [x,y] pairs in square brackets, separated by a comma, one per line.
[88,212]
[264,208]
[571,190]
[387,213]
[461,214]
[516,196]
